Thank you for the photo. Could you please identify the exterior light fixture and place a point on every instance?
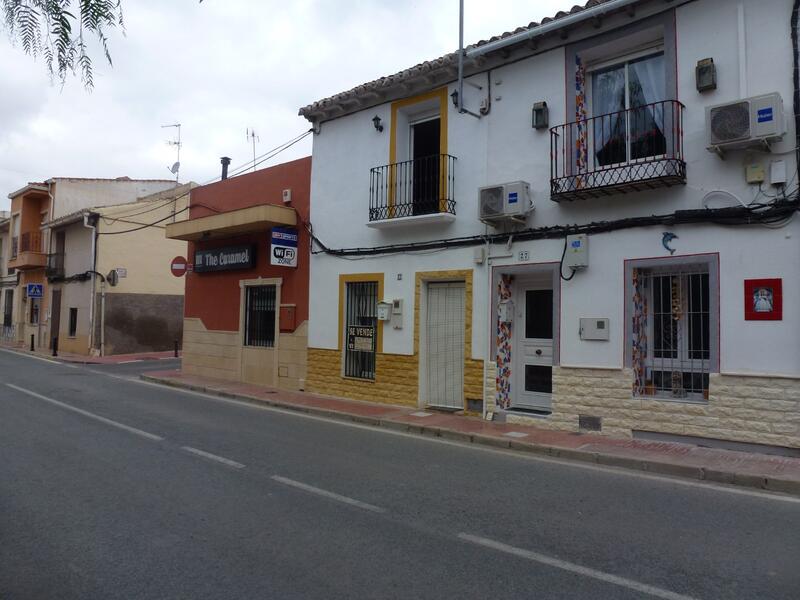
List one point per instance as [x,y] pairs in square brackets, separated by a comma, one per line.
[454,96]
[376,121]
[540,116]
[706,75]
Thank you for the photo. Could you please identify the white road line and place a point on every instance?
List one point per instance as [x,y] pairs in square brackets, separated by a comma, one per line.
[327,494]
[214,457]
[41,358]
[85,413]
[127,362]
[692,483]
[636,586]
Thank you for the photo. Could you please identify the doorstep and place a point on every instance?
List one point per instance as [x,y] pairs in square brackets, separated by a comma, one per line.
[773,473]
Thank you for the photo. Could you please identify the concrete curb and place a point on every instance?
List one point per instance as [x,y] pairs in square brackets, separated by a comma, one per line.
[648,465]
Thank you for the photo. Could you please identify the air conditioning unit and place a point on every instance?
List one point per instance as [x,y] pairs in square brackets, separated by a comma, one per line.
[506,202]
[755,121]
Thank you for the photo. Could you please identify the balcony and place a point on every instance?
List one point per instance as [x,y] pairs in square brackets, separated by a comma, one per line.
[414,191]
[627,151]
[27,253]
[55,266]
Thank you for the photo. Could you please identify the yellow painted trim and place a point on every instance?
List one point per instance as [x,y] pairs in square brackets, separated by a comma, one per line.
[441,94]
[464,275]
[358,278]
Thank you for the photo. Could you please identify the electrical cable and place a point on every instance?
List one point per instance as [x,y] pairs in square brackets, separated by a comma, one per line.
[561,264]
[771,214]
[169,216]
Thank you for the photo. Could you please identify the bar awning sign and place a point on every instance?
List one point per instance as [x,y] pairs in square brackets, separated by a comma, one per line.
[283,250]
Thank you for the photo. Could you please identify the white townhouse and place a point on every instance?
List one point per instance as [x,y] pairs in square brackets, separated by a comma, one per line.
[592,230]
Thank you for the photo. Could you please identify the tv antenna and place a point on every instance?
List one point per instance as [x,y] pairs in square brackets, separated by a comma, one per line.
[251,135]
[176,166]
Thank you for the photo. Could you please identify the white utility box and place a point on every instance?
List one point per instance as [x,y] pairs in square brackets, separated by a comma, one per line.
[593,329]
[577,255]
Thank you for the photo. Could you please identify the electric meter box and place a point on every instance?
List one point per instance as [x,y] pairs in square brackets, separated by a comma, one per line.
[593,329]
[577,255]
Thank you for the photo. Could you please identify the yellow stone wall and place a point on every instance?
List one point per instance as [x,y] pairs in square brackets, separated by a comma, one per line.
[396,378]
[751,409]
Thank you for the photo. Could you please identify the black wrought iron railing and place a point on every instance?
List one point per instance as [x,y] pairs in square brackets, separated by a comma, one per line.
[14,246]
[421,186]
[630,150]
[55,265]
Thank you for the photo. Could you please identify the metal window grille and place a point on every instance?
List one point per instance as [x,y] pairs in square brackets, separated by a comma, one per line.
[361,311]
[8,309]
[73,322]
[679,346]
[259,327]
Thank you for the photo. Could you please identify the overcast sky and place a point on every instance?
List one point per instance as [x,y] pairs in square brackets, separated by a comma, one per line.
[219,68]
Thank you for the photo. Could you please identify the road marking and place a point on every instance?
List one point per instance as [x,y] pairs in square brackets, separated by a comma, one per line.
[220,459]
[127,362]
[41,358]
[515,434]
[327,494]
[636,586]
[693,483]
[86,413]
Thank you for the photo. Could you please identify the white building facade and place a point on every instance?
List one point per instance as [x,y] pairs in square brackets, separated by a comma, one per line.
[652,289]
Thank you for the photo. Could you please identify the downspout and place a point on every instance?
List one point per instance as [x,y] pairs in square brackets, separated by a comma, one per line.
[93,227]
[796,78]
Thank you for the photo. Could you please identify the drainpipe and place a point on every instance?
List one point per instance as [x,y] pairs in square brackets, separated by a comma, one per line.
[93,227]
[102,317]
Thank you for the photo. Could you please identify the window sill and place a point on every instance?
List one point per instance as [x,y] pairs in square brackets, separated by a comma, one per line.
[361,379]
[443,218]
[695,401]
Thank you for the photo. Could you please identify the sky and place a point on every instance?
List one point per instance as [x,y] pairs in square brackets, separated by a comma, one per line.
[219,68]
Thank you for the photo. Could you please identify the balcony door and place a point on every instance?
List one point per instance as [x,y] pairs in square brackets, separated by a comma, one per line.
[629,122]
[425,138]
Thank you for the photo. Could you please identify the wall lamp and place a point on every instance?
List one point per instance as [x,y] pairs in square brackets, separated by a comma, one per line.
[376,121]
[454,96]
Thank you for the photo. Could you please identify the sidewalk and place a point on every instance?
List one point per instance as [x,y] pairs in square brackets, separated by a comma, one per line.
[93,360]
[774,473]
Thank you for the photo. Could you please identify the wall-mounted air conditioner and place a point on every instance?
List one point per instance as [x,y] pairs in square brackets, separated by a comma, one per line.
[755,121]
[505,202]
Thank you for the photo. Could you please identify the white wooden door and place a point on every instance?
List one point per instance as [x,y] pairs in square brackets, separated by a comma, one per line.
[443,360]
[533,348]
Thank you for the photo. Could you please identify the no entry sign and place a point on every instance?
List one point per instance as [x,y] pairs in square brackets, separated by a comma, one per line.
[178,266]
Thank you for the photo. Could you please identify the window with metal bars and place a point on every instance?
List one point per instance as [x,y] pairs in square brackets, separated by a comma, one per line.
[259,315]
[361,325]
[673,332]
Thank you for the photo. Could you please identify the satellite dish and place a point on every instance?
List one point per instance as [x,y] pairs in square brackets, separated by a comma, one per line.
[175,168]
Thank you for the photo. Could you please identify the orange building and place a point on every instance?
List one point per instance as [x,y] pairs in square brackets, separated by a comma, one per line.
[30,207]
[246,302]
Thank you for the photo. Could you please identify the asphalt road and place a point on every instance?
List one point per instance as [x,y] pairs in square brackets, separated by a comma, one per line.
[113,488]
